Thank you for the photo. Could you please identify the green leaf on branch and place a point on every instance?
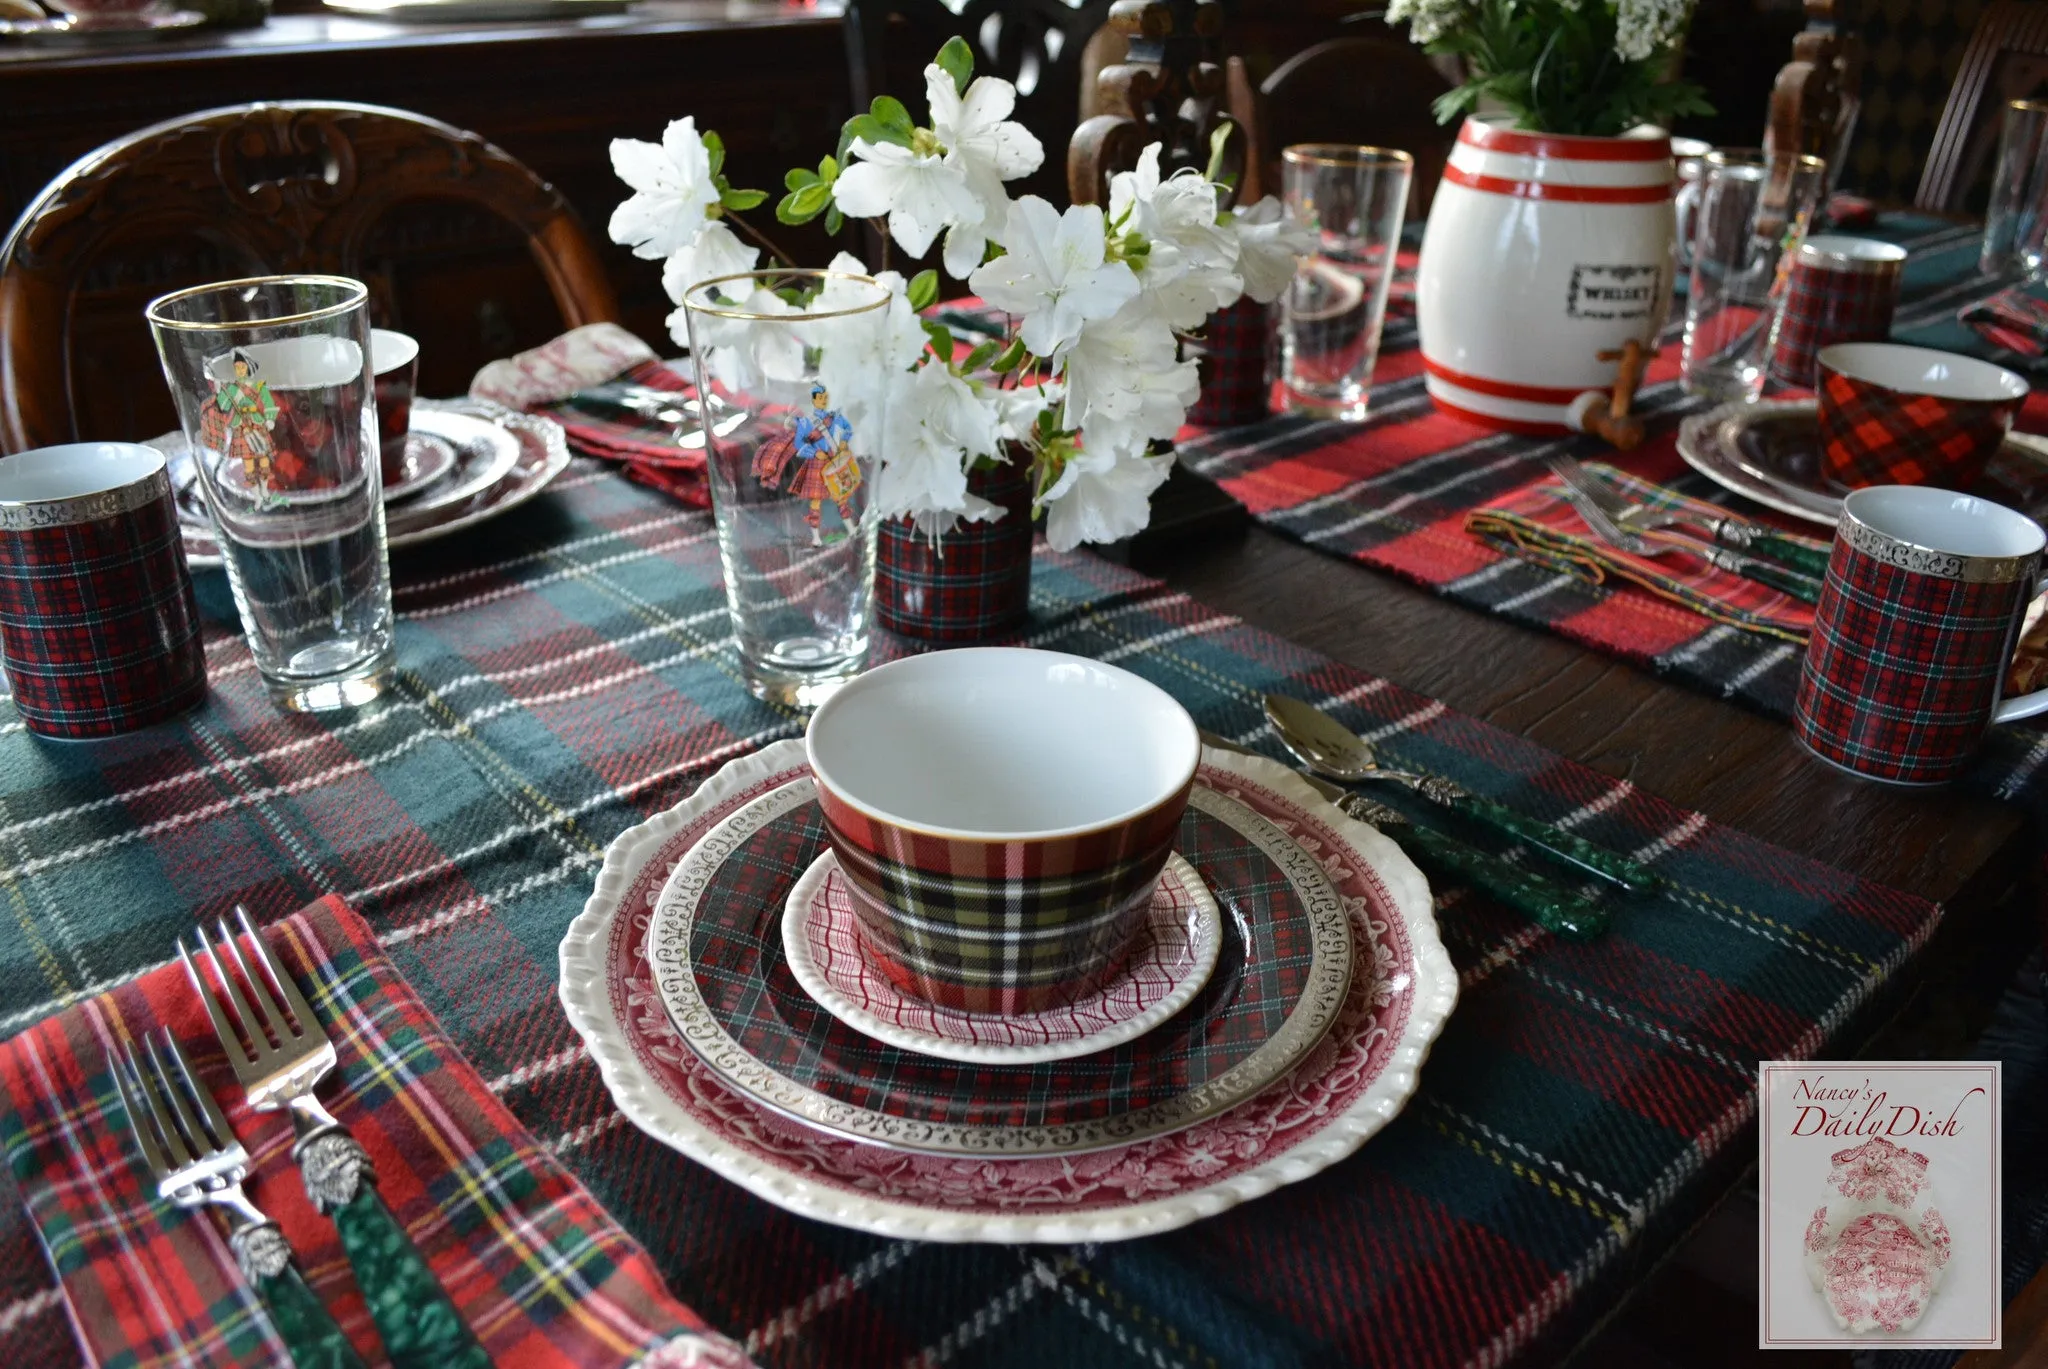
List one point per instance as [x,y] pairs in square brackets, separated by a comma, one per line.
[873,130]
[740,201]
[924,290]
[956,59]
[801,206]
[715,147]
[1219,143]
[834,220]
[941,340]
[796,178]
[888,111]
[828,170]
[978,358]
[1012,357]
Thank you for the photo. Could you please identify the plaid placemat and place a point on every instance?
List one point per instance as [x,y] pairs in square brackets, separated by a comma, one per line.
[1539,523]
[535,1266]
[567,670]
[1394,493]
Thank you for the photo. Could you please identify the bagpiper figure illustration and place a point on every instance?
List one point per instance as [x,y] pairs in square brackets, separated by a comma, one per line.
[245,412]
[812,461]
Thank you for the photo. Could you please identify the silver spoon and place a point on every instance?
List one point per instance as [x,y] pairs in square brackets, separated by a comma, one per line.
[1333,750]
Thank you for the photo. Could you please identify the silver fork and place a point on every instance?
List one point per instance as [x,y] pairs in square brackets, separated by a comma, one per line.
[196,1161]
[1658,542]
[280,1052]
[1726,531]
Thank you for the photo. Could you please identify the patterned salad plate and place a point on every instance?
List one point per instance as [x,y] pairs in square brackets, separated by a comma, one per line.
[1770,452]
[1175,953]
[503,458]
[716,945]
[1400,989]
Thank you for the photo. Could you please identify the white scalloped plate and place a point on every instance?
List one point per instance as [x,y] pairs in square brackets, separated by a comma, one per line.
[1402,989]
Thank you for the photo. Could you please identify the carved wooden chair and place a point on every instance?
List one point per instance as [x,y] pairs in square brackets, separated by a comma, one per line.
[1036,44]
[1372,90]
[2007,59]
[425,213]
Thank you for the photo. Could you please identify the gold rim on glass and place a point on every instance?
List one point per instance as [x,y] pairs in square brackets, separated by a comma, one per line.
[2028,106]
[1754,156]
[1343,154]
[154,313]
[783,273]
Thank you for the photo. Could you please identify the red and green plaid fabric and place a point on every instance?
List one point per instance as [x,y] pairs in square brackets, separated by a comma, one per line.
[566,671]
[540,1271]
[1539,523]
[2014,319]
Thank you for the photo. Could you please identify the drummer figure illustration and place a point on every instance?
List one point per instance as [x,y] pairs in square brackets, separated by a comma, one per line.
[812,461]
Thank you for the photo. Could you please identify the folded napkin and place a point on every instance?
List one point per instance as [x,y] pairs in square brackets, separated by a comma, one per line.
[1539,524]
[610,394]
[2016,318]
[537,1268]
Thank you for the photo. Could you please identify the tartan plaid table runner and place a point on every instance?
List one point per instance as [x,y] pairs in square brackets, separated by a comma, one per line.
[1394,492]
[567,670]
[533,1263]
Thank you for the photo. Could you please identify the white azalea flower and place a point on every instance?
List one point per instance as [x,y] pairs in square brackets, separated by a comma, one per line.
[920,192]
[759,356]
[1181,209]
[936,430]
[673,190]
[987,147]
[865,358]
[1126,383]
[1017,410]
[716,252]
[1107,498]
[1270,245]
[1186,291]
[1054,273]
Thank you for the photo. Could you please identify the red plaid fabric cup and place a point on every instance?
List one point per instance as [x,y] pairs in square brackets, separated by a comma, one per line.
[98,623]
[967,584]
[395,363]
[1840,290]
[1897,415]
[1001,815]
[1917,623]
[1235,387]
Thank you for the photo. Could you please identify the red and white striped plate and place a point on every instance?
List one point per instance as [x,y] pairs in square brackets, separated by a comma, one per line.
[1172,960]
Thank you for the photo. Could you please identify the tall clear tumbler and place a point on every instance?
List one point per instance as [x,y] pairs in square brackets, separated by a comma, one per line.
[2014,219]
[1753,214]
[275,394]
[1329,320]
[793,407]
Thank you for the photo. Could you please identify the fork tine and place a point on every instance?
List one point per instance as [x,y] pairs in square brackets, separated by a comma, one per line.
[230,1039]
[259,1042]
[154,1087]
[141,1120]
[181,1105]
[219,1134]
[268,1009]
[285,984]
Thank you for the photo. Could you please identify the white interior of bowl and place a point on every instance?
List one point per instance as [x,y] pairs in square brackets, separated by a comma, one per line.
[389,351]
[74,469]
[298,363]
[1002,742]
[1942,520]
[1923,371]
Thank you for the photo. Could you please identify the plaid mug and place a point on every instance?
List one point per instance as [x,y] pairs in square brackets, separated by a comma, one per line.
[1897,415]
[1840,290]
[1918,620]
[1000,815]
[98,624]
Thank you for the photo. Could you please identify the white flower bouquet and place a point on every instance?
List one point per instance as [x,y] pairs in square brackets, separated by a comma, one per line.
[1593,67]
[1089,380]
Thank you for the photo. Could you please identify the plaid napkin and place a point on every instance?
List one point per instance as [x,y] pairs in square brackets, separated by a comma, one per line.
[2016,318]
[1539,524]
[537,1268]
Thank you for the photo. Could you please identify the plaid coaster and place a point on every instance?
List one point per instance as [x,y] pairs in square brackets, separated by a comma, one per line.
[2016,318]
[1539,524]
[537,1268]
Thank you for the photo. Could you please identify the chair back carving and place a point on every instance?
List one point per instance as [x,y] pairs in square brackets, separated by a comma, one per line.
[1035,44]
[2007,59]
[1171,88]
[252,190]
[1375,90]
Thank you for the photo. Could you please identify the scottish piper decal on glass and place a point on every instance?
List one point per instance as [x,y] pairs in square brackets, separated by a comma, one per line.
[793,401]
[274,389]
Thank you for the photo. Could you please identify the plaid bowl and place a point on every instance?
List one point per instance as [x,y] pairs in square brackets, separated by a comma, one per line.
[1896,415]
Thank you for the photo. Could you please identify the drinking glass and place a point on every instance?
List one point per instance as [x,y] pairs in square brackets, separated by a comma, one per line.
[792,405]
[2013,220]
[1329,319]
[274,392]
[1754,211]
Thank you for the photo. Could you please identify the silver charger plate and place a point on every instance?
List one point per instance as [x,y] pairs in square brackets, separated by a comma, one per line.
[1769,451]
[503,459]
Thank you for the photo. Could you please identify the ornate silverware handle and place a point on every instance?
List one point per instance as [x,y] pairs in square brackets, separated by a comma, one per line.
[1753,537]
[309,1332]
[1596,860]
